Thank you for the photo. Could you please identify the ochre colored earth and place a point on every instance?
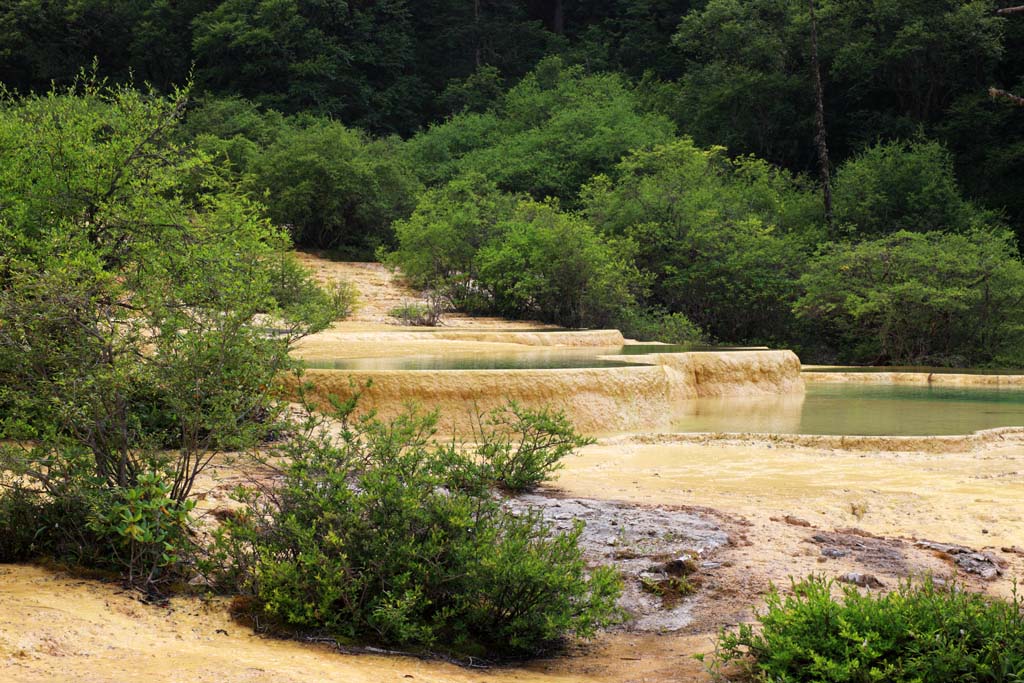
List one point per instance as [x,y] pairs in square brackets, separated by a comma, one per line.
[772,496]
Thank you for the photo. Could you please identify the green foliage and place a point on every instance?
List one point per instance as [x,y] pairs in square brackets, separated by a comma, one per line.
[437,245]
[747,84]
[232,130]
[301,298]
[420,314]
[723,238]
[902,186]
[477,92]
[727,72]
[916,633]
[496,253]
[655,325]
[135,302]
[149,530]
[295,55]
[520,448]
[385,535]
[918,298]
[35,524]
[333,186]
[551,132]
[554,266]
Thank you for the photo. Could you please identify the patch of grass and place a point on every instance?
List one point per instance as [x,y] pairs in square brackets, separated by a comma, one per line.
[671,590]
[418,314]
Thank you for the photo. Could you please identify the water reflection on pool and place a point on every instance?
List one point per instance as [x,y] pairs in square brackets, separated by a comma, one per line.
[870,410]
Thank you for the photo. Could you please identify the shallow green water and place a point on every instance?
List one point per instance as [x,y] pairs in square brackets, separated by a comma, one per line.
[871,410]
[539,358]
[917,368]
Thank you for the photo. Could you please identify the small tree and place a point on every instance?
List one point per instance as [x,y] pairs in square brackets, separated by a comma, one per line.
[142,327]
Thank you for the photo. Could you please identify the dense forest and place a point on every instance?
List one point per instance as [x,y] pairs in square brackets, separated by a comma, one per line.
[656,165]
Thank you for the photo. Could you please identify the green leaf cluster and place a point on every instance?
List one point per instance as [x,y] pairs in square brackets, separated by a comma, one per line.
[914,634]
[919,298]
[385,535]
[510,255]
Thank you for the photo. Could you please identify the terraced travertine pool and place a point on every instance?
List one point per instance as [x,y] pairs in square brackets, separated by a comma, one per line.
[536,358]
[860,409]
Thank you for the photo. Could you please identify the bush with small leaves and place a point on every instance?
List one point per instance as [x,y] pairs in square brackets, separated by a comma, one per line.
[384,535]
[925,632]
[519,448]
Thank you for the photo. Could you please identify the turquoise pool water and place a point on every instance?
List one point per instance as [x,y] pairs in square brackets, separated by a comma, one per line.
[856,409]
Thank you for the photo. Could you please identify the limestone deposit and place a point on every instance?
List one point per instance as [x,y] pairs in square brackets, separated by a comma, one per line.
[917,378]
[597,400]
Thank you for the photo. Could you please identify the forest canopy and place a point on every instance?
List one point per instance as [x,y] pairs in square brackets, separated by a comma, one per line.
[659,159]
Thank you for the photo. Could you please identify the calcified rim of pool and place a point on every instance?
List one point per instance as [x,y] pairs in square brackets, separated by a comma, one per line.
[982,439]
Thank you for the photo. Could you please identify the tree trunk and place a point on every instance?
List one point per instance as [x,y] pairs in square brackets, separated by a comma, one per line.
[558,18]
[998,94]
[819,122]
[476,33]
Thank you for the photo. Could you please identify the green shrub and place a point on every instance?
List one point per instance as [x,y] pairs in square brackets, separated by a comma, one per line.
[420,314]
[654,325]
[438,243]
[336,187]
[520,448]
[148,531]
[36,524]
[551,132]
[914,634]
[384,535]
[723,239]
[897,186]
[295,291]
[917,298]
[19,524]
[553,266]
[510,255]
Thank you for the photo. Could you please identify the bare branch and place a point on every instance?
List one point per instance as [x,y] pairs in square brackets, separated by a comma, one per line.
[1011,10]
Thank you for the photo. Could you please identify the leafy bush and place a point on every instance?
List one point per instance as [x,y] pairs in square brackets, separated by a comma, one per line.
[519,448]
[496,253]
[387,536]
[916,633]
[20,524]
[902,186]
[135,311]
[723,239]
[295,292]
[232,129]
[554,266]
[655,325]
[420,314]
[918,298]
[438,243]
[148,530]
[337,188]
[555,129]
